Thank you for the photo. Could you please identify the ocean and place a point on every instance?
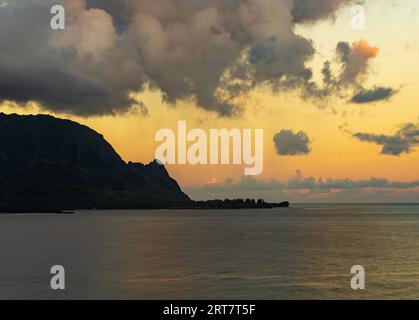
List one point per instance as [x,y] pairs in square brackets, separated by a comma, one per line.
[304,252]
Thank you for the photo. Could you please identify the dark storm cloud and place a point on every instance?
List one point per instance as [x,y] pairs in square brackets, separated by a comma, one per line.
[207,51]
[89,78]
[373,95]
[290,143]
[402,141]
[309,10]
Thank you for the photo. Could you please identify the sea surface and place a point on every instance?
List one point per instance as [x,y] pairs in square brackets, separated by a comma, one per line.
[304,252]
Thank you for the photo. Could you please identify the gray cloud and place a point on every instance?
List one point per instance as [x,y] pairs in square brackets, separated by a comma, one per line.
[208,51]
[289,143]
[373,95]
[353,61]
[85,70]
[401,142]
[300,188]
[309,10]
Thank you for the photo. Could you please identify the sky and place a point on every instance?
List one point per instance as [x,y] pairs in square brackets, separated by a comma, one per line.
[338,106]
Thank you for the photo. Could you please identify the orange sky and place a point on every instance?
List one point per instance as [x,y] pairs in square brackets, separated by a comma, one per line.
[393,34]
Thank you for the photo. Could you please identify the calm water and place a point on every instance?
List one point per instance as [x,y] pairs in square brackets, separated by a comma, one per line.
[300,253]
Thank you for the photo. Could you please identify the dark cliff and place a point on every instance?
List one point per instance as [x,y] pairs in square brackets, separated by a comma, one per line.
[49,164]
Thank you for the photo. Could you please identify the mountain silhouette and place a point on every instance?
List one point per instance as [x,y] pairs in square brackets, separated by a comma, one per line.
[54,165]
[49,165]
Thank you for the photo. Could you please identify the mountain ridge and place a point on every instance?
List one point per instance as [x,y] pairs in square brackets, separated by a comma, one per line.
[52,164]
[49,164]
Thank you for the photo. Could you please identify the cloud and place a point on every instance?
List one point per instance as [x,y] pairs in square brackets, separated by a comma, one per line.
[309,10]
[289,143]
[207,51]
[300,188]
[84,70]
[402,141]
[373,95]
[353,62]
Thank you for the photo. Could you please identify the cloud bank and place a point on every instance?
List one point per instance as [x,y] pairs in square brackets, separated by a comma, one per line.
[207,51]
[310,189]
